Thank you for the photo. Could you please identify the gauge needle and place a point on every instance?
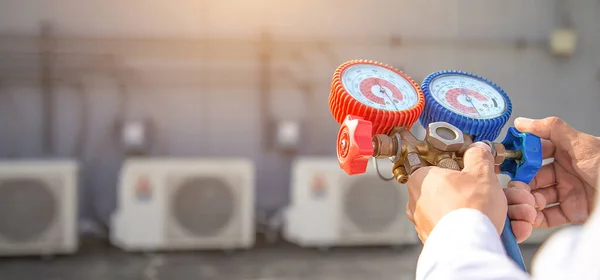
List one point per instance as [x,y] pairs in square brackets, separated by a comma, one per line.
[382,90]
[468,98]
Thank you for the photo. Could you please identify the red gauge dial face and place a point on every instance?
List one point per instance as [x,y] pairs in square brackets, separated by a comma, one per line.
[468,96]
[379,87]
[378,90]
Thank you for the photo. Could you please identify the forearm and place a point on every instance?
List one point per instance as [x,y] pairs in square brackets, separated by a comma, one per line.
[465,245]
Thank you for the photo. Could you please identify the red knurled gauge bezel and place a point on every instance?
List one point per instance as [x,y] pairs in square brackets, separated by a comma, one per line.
[341,103]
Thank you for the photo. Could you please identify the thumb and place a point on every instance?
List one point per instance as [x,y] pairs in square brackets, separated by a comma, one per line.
[416,180]
[552,128]
[478,158]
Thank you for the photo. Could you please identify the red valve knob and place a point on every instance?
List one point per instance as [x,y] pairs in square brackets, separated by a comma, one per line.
[354,145]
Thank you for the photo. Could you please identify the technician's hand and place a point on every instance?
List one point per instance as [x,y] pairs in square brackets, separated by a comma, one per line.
[435,192]
[570,180]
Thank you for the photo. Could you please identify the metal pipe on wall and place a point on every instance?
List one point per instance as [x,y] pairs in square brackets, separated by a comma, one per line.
[563,13]
[265,62]
[47,87]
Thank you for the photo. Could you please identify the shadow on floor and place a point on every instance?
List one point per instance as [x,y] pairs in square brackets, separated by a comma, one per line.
[97,260]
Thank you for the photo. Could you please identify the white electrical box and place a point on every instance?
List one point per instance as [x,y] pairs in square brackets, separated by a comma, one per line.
[563,42]
[184,204]
[330,208]
[288,134]
[135,135]
[38,207]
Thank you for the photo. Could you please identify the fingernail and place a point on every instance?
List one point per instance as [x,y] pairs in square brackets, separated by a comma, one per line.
[523,121]
[481,145]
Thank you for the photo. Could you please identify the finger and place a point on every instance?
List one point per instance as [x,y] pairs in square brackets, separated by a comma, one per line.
[541,201]
[519,196]
[519,185]
[539,218]
[545,196]
[551,128]
[548,149]
[553,216]
[522,230]
[546,176]
[522,212]
[478,158]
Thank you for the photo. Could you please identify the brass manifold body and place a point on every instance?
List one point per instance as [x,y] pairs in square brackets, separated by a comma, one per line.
[444,146]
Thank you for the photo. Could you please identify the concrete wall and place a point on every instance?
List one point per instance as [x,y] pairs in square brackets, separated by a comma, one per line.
[204,103]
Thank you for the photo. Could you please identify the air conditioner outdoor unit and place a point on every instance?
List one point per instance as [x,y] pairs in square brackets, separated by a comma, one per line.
[38,207]
[330,208]
[184,204]
[538,236]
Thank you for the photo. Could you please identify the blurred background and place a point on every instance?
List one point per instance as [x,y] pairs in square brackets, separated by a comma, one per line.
[193,139]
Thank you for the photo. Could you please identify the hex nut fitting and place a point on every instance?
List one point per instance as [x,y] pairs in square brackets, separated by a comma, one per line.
[412,163]
[444,137]
[499,154]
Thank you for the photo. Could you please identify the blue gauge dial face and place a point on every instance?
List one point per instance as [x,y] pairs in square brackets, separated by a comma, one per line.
[468,96]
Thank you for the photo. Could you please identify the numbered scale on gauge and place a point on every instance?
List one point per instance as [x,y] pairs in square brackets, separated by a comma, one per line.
[367,98]
[468,96]
[379,87]
[472,103]
[376,93]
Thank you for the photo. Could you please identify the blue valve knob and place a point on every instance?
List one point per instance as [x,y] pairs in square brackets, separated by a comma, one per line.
[473,104]
[523,170]
[530,146]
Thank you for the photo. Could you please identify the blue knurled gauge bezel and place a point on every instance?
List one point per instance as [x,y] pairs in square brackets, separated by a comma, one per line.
[479,129]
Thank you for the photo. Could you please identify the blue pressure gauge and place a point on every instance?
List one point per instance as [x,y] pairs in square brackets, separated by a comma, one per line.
[473,104]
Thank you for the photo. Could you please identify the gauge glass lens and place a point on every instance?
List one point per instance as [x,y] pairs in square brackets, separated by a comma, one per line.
[379,87]
[468,96]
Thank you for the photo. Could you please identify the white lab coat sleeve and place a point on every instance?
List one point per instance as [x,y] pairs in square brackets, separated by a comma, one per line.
[564,253]
[570,253]
[465,245]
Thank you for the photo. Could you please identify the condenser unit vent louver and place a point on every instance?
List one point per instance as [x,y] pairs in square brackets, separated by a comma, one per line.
[372,206]
[203,206]
[38,207]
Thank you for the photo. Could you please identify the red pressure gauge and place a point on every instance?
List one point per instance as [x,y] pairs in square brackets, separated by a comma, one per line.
[370,98]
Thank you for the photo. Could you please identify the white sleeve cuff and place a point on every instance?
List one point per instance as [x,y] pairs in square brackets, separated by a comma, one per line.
[465,227]
[462,232]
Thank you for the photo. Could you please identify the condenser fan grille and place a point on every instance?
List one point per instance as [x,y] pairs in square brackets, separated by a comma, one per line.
[371,204]
[27,209]
[203,205]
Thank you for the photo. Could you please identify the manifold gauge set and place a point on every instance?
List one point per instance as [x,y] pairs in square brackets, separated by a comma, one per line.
[376,106]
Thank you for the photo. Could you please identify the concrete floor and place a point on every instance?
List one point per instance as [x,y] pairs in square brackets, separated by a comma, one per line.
[98,261]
